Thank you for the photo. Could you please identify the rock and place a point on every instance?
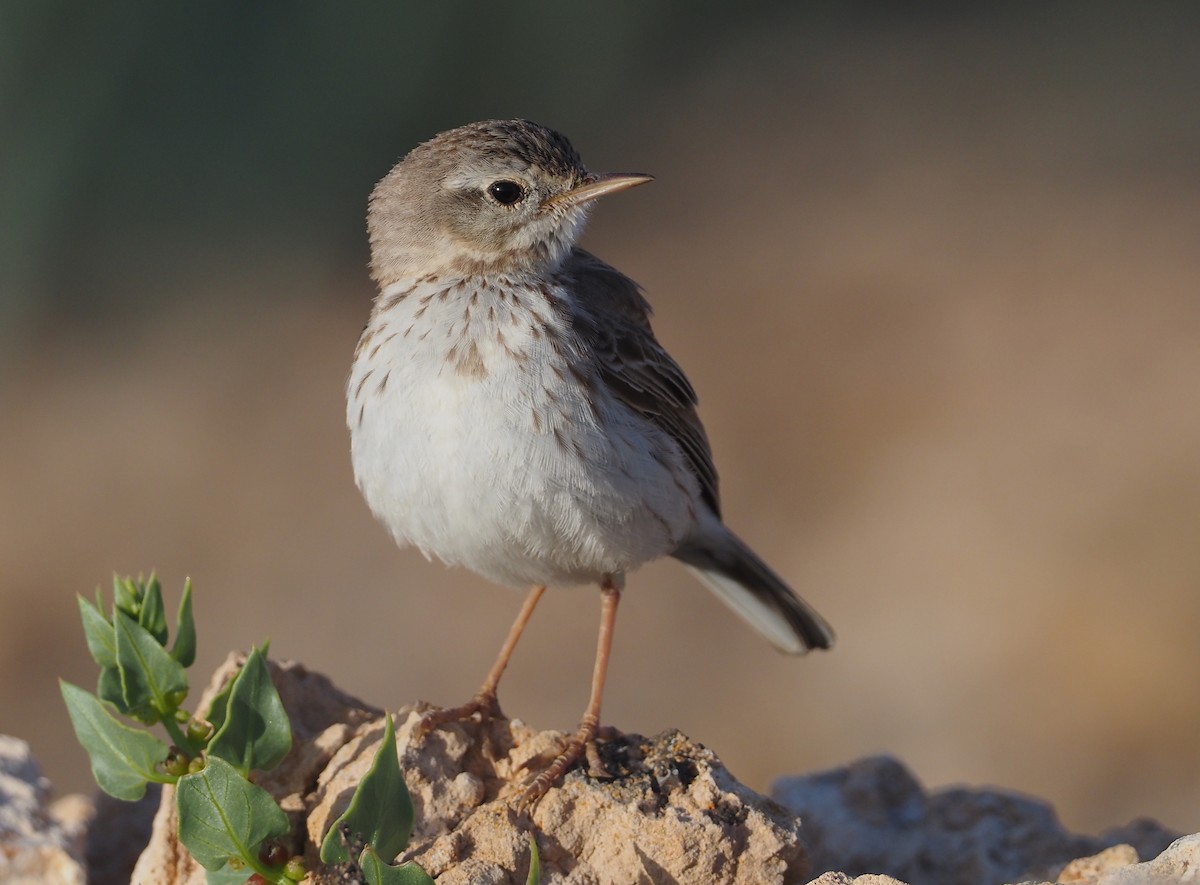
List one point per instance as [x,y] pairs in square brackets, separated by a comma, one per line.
[40,844]
[873,817]
[1179,863]
[644,810]
[661,810]
[665,810]
[1086,870]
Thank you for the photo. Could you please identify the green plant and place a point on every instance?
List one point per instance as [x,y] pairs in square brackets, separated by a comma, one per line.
[233,828]
[377,823]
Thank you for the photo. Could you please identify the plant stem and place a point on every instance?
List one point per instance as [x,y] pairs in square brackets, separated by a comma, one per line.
[180,739]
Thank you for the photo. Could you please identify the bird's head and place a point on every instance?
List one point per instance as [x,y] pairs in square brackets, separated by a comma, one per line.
[501,195]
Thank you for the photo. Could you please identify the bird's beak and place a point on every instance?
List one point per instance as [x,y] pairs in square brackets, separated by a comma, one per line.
[598,186]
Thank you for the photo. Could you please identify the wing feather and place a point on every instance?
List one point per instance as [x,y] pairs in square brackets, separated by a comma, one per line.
[614,320]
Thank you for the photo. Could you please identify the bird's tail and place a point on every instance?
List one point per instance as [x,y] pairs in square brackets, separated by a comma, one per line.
[759,596]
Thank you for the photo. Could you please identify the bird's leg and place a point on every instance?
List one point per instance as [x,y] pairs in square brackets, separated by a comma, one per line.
[485,703]
[610,595]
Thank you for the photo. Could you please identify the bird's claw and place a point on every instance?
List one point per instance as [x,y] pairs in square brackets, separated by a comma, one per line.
[583,741]
[484,704]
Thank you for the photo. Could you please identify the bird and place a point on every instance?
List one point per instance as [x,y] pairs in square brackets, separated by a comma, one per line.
[511,411]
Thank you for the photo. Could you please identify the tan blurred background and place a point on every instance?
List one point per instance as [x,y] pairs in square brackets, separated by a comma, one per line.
[935,276]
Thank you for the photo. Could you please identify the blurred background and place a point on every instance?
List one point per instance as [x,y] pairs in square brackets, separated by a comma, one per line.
[935,274]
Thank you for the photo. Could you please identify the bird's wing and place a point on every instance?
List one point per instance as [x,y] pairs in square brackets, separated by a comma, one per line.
[614,320]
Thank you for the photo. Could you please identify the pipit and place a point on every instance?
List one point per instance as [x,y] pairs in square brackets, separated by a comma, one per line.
[511,411]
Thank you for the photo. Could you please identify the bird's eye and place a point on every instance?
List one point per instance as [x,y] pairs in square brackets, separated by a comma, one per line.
[506,192]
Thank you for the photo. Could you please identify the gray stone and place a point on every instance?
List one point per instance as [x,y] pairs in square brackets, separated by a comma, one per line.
[40,843]
[872,816]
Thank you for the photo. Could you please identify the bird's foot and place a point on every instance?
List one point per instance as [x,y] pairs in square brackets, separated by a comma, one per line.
[484,704]
[572,752]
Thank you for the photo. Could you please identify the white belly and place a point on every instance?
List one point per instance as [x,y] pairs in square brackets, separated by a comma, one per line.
[495,456]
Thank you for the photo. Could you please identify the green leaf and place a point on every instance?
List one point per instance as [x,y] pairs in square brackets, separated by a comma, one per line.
[149,676]
[125,596]
[109,688]
[223,815]
[535,862]
[152,615]
[227,875]
[376,872]
[380,810]
[123,759]
[101,640]
[219,705]
[184,649]
[255,732]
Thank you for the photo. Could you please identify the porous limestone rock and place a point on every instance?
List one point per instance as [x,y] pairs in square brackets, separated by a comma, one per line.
[655,810]
[659,809]
[1086,870]
[663,810]
[40,843]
